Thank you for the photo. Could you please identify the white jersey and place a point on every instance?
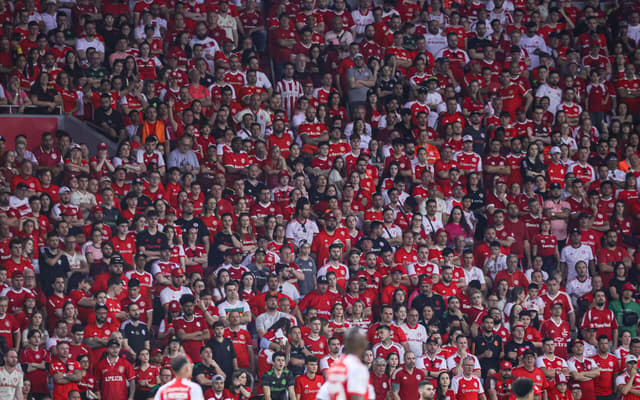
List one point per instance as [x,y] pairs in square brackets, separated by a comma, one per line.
[416,336]
[347,377]
[291,91]
[179,389]
[571,255]
[10,383]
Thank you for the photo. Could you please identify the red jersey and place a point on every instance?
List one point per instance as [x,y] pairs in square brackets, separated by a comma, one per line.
[604,320]
[112,377]
[61,391]
[467,388]
[408,382]
[308,388]
[609,367]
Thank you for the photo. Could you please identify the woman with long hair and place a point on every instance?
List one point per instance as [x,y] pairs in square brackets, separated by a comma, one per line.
[45,97]
[87,382]
[620,277]
[457,225]
[393,363]
[147,375]
[337,323]
[443,388]
[337,173]
[17,96]
[70,100]
[175,243]
[222,279]
[358,317]
[335,108]
[240,385]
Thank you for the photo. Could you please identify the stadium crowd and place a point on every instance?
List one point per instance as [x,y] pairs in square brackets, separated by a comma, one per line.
[457,178]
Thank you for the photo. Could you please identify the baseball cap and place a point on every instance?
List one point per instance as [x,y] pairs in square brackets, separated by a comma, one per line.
[528,352]
[64,189]
[96,209]
[555,150]
[323,280]
[116,259]
[358,55]
[22,185]
[628,286]
[577,341]
[174,306]
[397,269]
[506,365]
[217,378]
[561,378]
[631,359]
[113,342]
[235,250]
[467,138]
[177,272]
[555,185]
[16,274]
[103,146]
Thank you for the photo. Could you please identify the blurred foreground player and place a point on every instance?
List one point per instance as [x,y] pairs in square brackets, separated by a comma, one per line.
[348,377]
[180,388]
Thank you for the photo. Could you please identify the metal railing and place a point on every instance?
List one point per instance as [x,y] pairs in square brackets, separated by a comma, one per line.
[13,109]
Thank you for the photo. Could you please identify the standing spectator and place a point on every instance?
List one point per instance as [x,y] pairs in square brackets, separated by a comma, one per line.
[114,373]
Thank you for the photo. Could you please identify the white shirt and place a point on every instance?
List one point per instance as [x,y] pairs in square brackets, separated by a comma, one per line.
[553,93]
[415,337]
[435,43]
[169,294]
[571,256]
[297,231]
[474,274]
[179,389]
[11,383]
[83,44]
[576,289]
[531,44]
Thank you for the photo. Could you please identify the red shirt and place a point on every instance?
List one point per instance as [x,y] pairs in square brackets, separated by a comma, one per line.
[195,324]
[609,368]
[408,382]
[61,391]
[38,377]
[241,344]
[319,347]
[604,320]
[467,388]
[308,388]
[560,333]
[112,378]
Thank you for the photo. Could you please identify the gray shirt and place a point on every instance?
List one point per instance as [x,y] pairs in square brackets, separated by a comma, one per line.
[359,94]
[308,268]
[182,160]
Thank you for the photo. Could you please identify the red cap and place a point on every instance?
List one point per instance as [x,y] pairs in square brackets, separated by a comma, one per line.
[499,179]
[174,306]
[283,173]
[561,378]
[172,210]
[235,250]
[506,365]
[177,272]
[16,274]
[628,286]
[96,209]
[103,146]
[398,269]
[156,350]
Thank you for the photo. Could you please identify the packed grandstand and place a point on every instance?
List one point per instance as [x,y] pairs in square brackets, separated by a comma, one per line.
[456,178]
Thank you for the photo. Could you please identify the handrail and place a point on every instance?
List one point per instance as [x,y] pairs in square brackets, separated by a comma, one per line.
[13,107]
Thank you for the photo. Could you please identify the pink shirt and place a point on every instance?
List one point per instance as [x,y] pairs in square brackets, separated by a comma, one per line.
[558,226]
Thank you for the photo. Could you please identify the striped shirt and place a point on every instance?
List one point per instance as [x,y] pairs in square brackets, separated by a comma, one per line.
[291,91]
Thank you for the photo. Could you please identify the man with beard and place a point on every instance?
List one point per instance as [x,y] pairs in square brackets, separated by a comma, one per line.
[428,298]
[500,383]
[405,380]
[108,119]
[188,221]
[135,333]
[446,286]
[610,255]
[432,362]
[515,227]
[96,334]
[271,315]
[64,207]
[600,316]
[334,265]
[487,347]
[322,241]
[529,370]
[191,328]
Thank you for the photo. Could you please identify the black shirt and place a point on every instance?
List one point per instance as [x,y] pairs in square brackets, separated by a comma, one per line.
[208,371]
[136,335]
[436,302]
[194,222]
[114,119]
[224,354]
[483,343]
[49,274]
[278,383]
[151,242]
[512,347]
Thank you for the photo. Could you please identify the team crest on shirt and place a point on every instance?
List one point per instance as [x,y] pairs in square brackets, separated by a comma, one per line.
[128,245]
[121,369]
[384,385]
[475,384]
[7,323]
[198,324]
[54,156]
[611,363]
[142,304]
[241,336]
[37,356]
[107,331]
